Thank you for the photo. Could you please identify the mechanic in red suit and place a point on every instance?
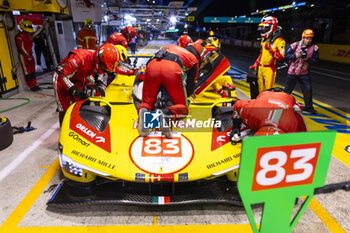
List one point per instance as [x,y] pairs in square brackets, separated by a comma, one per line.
[79,68]
[87,38]
[124,38]
[176,69]
[272,112]
[24,42]
[184,40]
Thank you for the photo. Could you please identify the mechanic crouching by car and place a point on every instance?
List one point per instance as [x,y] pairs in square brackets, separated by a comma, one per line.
[123,38]
[301,54]
[79,68]
[272,112]
[176,69]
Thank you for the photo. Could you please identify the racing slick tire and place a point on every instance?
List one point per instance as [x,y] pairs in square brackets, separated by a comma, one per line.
[6,135]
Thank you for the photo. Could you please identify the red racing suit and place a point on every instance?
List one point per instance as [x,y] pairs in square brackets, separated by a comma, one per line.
[87,39]
[117,38]
[277,109]
[176,69]
[77,69]
[24,42]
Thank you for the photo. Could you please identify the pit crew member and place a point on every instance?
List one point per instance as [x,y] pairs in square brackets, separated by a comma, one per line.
[87,38]
[123,38]
[272,112]
[176,69]
[184,40]
[24,42]
[79,68]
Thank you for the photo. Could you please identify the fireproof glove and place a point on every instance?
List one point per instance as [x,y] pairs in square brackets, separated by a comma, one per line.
[235,136]
[99,88]
[253,67]
[80,94]
[135,71]
[223,93]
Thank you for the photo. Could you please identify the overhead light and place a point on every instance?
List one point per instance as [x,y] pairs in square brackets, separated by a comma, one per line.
[173,19]
[293,3]
[16,12]
[127,17]
[148,20]
[186,25]
[105,18]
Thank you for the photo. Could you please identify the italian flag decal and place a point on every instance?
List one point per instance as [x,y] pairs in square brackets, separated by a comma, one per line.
[161,200]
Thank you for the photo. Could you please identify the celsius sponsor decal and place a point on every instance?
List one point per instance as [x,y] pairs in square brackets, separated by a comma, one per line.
[78,139]
[159,155]
[77,124]
[223,161]
[93,159]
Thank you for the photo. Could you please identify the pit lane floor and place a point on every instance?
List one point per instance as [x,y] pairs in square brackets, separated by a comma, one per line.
[29,171]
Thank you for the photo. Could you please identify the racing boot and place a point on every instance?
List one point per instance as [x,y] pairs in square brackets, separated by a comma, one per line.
[166,123]
[142,131]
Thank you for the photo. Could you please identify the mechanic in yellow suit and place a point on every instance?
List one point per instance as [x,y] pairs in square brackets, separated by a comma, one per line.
[272,50]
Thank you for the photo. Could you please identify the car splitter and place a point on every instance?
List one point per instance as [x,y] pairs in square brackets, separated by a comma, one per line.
[216,191]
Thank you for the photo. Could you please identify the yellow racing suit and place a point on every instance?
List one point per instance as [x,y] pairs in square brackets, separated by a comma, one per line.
[270,53]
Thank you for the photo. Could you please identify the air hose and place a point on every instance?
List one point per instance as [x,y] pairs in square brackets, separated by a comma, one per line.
[19,105]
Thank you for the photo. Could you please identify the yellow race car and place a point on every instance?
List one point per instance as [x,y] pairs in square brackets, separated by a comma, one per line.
[104,160]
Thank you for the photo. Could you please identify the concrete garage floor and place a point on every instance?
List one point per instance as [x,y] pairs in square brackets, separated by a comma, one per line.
[29,169]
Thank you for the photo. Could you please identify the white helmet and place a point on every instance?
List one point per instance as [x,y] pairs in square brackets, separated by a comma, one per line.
[267,26]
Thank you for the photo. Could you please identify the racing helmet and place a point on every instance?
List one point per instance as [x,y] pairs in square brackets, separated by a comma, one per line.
[123,52]
[196,50]
[214,41]
[268,130]
[26,25]
[267,26]
[88,23]
[107,58]
[307,33]
[129,32]
[184,40]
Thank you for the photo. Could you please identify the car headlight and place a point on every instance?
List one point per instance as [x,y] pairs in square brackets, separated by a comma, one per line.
[74,168]
[68,165]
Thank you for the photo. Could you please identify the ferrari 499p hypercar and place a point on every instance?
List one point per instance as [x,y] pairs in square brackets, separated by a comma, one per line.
[104,160]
